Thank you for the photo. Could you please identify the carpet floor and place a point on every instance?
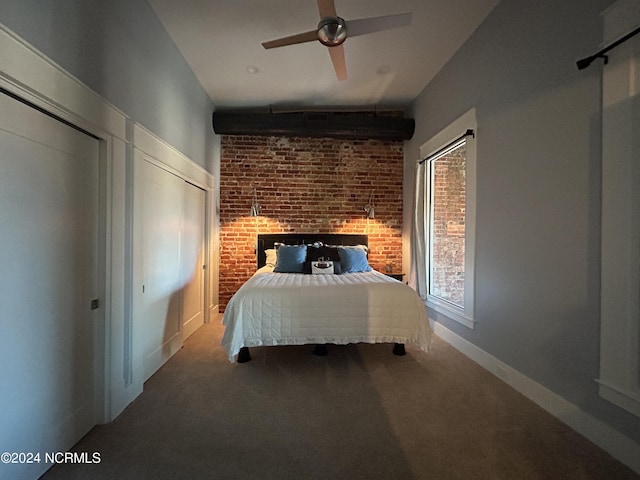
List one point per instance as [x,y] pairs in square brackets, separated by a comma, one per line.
[357,413]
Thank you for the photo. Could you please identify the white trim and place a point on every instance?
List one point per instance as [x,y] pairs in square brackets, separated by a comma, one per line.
[450,311]
[455,129]
[28,73]
[156,151]
[165,156]
[32,76]
[620,19]
[616,444]
[122,389]
[619,381]
[630,401]
[467,121]
[148,147]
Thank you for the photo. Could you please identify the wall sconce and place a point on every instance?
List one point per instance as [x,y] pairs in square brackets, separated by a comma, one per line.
[369,209]
[255,206]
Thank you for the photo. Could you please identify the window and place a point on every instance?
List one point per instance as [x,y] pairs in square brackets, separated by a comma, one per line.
[446,175]
[450,219]
[619,379]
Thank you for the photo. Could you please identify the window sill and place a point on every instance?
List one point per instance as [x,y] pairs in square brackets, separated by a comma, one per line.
[624,399]
[450,312]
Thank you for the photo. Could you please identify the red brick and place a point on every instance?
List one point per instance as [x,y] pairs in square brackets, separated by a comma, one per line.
[307,185]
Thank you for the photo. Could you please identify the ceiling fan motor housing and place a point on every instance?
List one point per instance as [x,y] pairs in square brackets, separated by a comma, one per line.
[332,31]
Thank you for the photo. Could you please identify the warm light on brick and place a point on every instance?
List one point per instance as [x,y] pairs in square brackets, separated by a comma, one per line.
[307,185]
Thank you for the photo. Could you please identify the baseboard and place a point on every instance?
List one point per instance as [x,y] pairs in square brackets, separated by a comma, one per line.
[120,397]
[213,313]
[610,440]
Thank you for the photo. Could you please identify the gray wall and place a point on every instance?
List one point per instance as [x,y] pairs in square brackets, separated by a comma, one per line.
[120,49]
[538,190]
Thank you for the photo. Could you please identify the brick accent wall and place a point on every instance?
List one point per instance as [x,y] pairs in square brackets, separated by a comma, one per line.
[449,226]
[307,185]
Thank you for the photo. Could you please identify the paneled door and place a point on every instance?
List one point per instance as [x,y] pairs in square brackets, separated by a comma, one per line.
[158,218]
[169,251]
[48,278]
[193,258]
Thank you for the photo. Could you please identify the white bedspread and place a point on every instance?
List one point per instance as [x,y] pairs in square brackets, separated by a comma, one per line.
[297,309]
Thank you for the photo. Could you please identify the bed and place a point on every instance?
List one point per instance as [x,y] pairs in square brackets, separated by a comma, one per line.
[284,303]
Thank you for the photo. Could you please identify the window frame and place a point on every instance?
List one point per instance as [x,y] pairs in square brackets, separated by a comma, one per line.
[465,314]
[619,376]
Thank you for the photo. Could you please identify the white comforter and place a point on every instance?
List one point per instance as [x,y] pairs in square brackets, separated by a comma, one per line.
[296,309]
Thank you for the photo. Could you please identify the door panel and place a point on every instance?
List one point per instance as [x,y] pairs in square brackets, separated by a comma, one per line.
[159,316]
[169,250]
[192,259]
[48,253]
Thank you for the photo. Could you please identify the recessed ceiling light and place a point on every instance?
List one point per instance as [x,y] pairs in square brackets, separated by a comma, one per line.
[252,69]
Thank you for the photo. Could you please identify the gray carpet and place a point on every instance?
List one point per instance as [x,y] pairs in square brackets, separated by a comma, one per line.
[358,413]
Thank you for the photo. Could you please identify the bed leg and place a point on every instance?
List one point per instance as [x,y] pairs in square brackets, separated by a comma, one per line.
[243,355]
[320,350]
[398,349]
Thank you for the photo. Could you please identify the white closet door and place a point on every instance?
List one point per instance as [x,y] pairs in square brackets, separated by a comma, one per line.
[48,258]
[159,216]
[193,259]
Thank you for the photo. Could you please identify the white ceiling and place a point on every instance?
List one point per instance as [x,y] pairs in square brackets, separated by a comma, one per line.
[221,40]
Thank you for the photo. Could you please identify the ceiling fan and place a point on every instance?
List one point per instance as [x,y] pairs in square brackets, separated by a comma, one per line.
[332,31]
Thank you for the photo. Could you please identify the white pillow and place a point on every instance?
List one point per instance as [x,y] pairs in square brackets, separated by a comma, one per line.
[271,257]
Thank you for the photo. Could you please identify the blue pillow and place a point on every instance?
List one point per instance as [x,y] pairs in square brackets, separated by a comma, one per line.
[290,258]
[353,260]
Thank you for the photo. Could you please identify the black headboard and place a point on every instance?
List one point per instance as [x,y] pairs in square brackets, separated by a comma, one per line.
[268,240]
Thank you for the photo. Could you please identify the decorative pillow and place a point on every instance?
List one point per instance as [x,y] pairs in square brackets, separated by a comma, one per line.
[271,257]
[337,269]
[353,259]
[362,247]
[314,252]
[290,258]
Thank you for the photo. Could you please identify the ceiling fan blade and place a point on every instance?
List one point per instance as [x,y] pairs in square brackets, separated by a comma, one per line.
[327,8]
[309,36]
[364,26]
[339,63]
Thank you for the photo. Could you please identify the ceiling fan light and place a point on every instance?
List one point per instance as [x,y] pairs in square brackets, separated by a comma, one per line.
[332,31]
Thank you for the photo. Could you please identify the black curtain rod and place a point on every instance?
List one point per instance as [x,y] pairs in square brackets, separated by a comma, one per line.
[468,133]
[585,62]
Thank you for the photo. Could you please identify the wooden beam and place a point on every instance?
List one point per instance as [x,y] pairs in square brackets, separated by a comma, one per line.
[313,124]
